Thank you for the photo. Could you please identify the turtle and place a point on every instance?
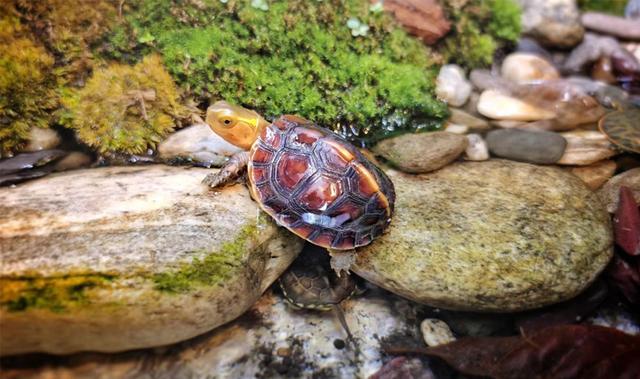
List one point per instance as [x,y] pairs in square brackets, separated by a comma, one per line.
[309,283]
[307,178]
[622,128]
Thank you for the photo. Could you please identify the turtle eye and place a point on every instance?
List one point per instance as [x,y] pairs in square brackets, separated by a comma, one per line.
[227,122]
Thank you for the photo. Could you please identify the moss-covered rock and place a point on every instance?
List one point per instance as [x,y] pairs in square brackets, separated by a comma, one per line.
[495,236]
[71,31]
[608,6]
[124,108]
[335,62]
[146,257]
[27,82]
[479,28]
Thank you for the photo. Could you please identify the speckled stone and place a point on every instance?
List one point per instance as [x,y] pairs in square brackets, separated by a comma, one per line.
[610,192]
[596,174]
[121,258]
[271,340]
[422,152]
[494,236]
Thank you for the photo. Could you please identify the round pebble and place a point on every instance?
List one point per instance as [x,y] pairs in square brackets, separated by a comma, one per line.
[523,67]
[452,86]
[477,149]
[422,152]
[527,146]
[436,332]
[496,105]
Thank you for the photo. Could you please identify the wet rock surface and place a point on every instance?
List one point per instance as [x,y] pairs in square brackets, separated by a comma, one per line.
[492,236]
[121,258]
[28,166]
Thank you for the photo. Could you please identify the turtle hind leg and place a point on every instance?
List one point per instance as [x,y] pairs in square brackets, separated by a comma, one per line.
[342,260]
[231,171]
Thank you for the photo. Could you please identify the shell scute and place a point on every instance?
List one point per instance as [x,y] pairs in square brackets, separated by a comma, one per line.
[291,169]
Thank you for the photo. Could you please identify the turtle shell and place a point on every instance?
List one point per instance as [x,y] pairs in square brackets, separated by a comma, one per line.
[623,129]
[318,185]
[311,283]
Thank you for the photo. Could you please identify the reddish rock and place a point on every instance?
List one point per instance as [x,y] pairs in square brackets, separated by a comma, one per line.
[422,18]
[626,223]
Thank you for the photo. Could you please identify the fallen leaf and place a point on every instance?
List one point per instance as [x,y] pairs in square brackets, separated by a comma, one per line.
[403,368]
[567,351]
[626,277]
[626,222]
[569,312]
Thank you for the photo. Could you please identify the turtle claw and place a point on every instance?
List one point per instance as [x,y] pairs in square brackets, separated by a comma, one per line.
[342,260]
[229,173]
[213,180]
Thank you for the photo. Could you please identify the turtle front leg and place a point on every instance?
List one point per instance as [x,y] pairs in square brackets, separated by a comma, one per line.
[232,170]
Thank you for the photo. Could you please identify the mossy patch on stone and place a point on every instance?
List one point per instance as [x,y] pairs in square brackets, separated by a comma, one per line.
[70,30]
[124,108]
[27,82]
[479,29]
[214,268]
[56,294]
[295,57]
[607,6]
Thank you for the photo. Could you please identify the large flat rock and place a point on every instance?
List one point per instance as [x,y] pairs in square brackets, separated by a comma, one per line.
[494,236]
[121,258]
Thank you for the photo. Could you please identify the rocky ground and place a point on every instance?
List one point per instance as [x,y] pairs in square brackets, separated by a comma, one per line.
[503,222]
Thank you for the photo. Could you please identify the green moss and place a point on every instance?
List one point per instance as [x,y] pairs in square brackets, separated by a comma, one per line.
[54,294]
[479,29]
[27,83]
[70,30]
[294,57]
[505,20]
[124,108]
[211,270]
[608,6]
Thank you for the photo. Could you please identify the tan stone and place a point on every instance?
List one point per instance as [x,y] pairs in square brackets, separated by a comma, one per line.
[496,105]
[526,67]
[596,174]
[585,147]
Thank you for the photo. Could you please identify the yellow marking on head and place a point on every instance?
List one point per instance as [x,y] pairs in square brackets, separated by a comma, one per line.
[238,125]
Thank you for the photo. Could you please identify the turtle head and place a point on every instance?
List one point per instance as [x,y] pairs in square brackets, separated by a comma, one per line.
[239,126]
